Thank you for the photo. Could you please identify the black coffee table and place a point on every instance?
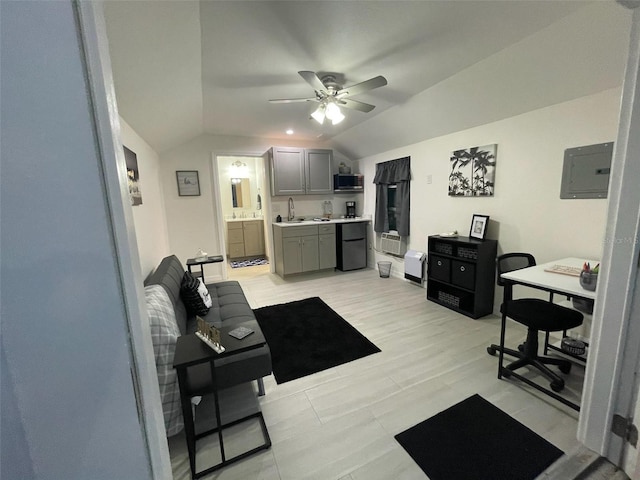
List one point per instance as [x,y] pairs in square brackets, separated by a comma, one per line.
[191,351]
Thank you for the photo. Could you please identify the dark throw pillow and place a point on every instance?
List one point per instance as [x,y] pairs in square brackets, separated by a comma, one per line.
[190,295]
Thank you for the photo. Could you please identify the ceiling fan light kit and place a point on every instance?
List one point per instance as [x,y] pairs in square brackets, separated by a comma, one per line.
[331,96]
[337,117]
[319,114]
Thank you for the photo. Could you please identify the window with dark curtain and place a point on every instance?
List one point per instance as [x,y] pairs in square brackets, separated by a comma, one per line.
[388,174]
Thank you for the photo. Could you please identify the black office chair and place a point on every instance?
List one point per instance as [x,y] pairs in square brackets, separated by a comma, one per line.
[537,315]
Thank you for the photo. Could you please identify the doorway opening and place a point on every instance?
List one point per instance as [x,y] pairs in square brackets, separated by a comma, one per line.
[243,190]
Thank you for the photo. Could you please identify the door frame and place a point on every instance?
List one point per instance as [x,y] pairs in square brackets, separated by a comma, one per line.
[266,203]
[610,383]
[93,38]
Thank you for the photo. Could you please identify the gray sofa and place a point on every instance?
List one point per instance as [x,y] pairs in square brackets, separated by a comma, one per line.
[229,307]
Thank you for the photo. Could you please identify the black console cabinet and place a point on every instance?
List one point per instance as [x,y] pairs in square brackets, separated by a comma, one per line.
[461,274]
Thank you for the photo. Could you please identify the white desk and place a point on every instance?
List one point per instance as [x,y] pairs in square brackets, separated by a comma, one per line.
[538,277]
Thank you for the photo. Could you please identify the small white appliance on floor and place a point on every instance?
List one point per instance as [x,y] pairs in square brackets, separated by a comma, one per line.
[414,266]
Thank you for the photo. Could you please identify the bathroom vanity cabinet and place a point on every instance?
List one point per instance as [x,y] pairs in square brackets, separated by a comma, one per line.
[245,238]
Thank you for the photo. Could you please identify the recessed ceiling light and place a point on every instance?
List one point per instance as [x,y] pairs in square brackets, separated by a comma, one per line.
[289,132]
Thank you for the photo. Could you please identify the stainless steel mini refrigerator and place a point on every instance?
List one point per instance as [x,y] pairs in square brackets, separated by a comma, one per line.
[352,245]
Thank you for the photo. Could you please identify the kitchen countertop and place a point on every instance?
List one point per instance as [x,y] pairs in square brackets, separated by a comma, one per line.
[285,223]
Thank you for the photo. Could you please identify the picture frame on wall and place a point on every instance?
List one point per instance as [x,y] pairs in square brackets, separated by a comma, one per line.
[188,183]
[479,225]
[473,171]
[133,176]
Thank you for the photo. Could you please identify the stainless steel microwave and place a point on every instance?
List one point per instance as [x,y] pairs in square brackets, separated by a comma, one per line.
[350,181]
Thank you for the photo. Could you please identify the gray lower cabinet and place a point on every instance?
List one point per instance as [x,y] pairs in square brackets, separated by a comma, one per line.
[290,256]
[299,254]
[309,249]
[304,249]
[327,246]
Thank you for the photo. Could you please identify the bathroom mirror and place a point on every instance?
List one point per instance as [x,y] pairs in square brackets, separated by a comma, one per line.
[240,193]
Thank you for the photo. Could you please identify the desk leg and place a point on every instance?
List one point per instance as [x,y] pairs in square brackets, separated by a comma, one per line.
[546,335]
[202,272]
[187,415]
[218,417]
[502,335]
[507,295]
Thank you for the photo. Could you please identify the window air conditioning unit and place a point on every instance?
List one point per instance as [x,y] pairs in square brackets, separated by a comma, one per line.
[393,243]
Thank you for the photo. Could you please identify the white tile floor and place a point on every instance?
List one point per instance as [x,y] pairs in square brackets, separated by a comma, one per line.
[340,423]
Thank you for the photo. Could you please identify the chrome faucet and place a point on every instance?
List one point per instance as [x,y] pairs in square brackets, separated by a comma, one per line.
[291,210]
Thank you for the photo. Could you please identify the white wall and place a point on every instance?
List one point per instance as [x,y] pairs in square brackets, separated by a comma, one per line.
[149,218]
[526,211]
[68,407]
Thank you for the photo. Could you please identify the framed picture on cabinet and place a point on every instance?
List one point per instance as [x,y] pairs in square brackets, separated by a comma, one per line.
[188,183]
[478,228]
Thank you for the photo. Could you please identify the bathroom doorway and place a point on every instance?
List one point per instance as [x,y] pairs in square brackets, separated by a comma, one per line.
[242,188]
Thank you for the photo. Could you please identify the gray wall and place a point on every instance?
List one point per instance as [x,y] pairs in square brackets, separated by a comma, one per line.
[68,406]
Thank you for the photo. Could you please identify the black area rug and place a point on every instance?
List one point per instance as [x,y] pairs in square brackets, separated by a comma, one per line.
[476,440]
[307,336]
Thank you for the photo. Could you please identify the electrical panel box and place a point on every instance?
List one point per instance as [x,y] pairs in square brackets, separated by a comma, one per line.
[585,173]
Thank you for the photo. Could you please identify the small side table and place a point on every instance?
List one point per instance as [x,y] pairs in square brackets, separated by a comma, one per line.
[190,351]
[193,262]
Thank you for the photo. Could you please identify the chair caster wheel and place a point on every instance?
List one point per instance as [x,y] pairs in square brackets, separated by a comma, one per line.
[557,386]
[521,348]
[491,351]
[565,368]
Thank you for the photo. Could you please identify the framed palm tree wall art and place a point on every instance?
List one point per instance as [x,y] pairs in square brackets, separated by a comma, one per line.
[473,172]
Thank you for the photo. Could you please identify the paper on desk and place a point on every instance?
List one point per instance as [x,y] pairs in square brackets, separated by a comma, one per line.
[564,270]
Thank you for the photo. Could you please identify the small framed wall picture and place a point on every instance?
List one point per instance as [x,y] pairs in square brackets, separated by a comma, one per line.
[478,228]
[188,183]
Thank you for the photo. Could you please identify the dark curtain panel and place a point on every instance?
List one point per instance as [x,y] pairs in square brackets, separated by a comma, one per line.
[388,173]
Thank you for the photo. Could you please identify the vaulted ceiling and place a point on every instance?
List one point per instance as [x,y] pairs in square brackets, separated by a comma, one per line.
[185,68]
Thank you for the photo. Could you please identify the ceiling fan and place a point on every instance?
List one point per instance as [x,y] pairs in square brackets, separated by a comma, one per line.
[331,95]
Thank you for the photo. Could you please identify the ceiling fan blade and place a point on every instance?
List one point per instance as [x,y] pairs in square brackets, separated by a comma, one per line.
[312,79]
[370,84]
[292,100]
[355,105]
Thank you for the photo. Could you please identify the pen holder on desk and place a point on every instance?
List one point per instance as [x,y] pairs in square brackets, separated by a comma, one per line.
[588,280]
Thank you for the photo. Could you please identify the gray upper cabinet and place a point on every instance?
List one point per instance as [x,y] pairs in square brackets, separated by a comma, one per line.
[287,171]
[299,171]
[318,171]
